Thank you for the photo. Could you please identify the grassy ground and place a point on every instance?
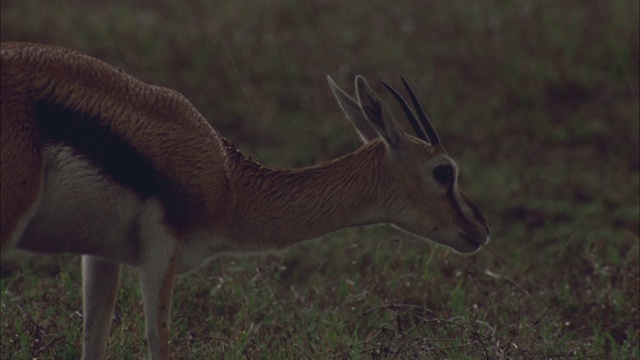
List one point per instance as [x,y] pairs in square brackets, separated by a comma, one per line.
[538,102]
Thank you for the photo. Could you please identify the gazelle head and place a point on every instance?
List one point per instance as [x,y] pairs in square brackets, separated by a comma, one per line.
[419,181]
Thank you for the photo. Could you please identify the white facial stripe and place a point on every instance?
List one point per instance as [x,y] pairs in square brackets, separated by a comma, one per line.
[467,212]
[464,208]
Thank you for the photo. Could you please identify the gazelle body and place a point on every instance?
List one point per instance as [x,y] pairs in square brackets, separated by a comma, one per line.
[95,162]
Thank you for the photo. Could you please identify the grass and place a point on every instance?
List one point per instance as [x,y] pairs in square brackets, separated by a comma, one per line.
[537,101]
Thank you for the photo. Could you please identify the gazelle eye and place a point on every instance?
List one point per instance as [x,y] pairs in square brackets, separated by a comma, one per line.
[444,174]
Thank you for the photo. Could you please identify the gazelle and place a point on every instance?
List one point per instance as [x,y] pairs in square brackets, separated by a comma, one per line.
[98,163]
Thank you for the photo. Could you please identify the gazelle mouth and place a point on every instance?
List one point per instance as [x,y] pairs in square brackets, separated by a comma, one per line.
[476,244]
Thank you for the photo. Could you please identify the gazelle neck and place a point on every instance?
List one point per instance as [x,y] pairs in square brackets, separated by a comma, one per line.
[278,208]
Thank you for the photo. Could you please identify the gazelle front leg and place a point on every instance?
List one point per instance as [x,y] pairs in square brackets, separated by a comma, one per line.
[157,267]
[100,279]
[156,281]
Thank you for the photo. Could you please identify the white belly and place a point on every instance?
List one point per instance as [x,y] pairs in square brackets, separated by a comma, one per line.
[82,211]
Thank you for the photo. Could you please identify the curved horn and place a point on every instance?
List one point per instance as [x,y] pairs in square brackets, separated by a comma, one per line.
[431,131]
[410,115]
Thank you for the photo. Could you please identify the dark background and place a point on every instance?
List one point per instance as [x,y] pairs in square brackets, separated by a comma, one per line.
[537,101]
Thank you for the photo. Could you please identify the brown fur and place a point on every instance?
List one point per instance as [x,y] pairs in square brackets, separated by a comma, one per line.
[150,183]
[33,73]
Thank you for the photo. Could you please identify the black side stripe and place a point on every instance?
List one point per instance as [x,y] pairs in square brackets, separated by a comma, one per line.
[111,155]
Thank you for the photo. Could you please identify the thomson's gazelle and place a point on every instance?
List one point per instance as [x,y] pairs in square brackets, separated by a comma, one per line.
[97,163]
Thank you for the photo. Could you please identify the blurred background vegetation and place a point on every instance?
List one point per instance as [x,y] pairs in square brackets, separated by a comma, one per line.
[537,101]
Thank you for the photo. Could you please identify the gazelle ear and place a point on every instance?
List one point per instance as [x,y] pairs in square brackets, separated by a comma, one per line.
[354,113]
[378,115]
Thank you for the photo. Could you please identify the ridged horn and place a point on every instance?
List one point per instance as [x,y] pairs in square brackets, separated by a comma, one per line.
[426,124]
[408,112]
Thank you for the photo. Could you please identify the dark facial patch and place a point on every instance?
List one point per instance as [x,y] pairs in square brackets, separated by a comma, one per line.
[476,211]
[460,214]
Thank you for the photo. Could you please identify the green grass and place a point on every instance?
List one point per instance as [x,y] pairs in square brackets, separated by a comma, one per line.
[538,102]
